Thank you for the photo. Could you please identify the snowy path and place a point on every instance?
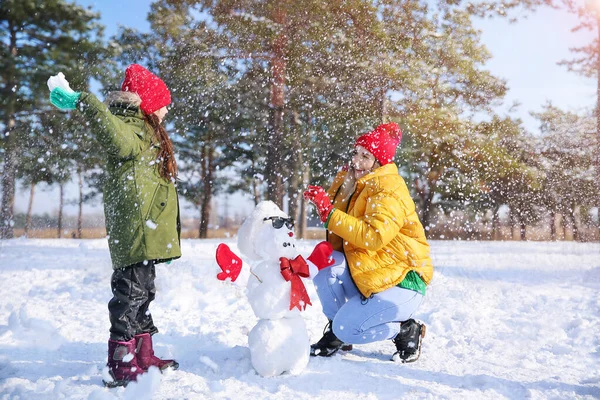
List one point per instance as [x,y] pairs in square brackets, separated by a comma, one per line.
[506,320]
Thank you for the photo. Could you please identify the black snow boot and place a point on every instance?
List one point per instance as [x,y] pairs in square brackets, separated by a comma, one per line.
[328,345]
[408,341]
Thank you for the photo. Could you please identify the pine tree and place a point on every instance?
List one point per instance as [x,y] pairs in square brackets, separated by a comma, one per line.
[326,72]
[567,148]
[587,63]
[40,38]
[450,86]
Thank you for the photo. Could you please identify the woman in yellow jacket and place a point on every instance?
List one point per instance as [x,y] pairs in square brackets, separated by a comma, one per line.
[382,264]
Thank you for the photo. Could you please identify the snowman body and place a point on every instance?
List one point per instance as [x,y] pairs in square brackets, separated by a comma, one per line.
[278,346]
[279,341]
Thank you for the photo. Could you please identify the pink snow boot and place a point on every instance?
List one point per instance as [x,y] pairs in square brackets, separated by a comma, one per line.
[145,354]
[122,363]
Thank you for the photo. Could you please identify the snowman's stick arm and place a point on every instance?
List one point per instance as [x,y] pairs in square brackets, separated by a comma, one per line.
[256,276]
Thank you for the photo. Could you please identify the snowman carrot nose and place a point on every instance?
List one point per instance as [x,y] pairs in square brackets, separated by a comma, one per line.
[291,234]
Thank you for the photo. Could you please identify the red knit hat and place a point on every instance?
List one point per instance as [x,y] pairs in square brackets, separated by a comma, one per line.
[151,89]
[382,142]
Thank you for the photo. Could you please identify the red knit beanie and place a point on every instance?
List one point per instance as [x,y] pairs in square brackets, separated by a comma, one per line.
[151,89]
[382,142]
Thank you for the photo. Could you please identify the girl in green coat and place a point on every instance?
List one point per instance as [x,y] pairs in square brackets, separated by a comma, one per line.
[141,208]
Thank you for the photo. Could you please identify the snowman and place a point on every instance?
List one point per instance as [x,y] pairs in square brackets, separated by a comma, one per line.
[279,341]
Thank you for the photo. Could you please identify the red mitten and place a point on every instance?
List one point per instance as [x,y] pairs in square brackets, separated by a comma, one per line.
[321,255]
[230,264]
[319,197]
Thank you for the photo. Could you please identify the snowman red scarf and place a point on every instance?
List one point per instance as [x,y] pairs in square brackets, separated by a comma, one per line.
[292,271]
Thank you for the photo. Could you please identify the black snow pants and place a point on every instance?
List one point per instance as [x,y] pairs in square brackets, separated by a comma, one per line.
[133,289]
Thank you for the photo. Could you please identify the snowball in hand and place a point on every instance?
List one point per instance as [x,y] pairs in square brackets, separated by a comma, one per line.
[59,80]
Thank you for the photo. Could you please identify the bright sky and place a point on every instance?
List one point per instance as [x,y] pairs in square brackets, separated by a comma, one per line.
[524,53]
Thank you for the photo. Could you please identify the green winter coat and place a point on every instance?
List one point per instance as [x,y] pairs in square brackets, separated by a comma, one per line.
[140,207]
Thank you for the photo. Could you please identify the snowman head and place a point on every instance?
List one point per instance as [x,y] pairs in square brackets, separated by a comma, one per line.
[267,234]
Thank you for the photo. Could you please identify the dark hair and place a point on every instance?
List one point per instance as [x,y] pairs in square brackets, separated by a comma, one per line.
[166,154]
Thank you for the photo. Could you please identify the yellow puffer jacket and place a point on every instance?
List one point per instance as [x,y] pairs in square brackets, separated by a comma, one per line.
[379,232]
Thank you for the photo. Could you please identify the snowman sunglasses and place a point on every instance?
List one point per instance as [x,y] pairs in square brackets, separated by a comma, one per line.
[279,221]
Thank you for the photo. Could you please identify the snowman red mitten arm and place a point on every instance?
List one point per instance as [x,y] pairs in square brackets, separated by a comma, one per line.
[229,262]
[320,258]
[319,197]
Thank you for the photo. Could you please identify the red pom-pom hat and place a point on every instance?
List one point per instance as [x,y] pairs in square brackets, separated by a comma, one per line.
[382,142]
[151,89]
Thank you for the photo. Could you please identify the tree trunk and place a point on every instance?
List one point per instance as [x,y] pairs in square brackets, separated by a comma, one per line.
[275,151]
[295,173]
[598,121]
[80,212]
[512,222]
[225,217]
[522,230]
[293,205]
[420,188]
[255,186]
[574,225]
[553,225]
[11,143]
[427,191]
[200,226]
[427,202]
[206,200]
[563,224]
[495,222]
[598,224]
[29,209]
[8,184]
[305,168]
[60,208]
[303,218]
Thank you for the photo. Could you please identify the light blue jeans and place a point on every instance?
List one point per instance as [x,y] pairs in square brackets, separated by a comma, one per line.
[358,321]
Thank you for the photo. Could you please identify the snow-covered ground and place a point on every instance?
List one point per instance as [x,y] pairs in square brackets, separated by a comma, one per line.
[505,320]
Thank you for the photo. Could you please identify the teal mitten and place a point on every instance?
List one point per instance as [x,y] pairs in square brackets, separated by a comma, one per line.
[64,99]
